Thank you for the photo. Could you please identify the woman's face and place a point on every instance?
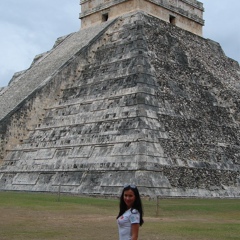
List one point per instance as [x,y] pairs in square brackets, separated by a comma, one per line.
[129,198]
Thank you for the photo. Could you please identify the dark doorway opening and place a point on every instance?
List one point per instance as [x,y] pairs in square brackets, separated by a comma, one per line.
[172,20]
[105,17]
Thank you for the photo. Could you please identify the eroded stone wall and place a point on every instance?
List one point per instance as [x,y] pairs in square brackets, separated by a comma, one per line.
[21,107]
[188,14]
[144,102]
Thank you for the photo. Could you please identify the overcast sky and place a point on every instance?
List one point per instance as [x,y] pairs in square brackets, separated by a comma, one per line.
[30,27]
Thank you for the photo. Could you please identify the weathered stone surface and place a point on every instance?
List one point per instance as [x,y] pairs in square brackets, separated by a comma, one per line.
[142,102]
[186,14]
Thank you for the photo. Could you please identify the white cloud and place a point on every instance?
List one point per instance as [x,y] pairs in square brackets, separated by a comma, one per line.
[222,25]
[29,28]
[17,45]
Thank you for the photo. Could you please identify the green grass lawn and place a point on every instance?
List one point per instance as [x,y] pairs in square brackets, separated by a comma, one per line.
[44,216]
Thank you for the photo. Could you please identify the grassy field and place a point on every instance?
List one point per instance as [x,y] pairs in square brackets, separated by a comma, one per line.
[43,216]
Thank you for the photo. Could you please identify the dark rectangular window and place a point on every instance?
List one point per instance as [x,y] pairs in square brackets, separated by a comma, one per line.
[105,17]
[172,20]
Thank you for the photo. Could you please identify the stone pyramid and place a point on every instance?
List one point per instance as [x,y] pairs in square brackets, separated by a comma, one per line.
[134,100]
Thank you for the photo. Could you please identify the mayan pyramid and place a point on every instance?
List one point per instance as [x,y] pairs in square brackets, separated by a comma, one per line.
[132,97]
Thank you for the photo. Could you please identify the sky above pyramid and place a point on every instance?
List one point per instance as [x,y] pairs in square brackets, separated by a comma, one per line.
[29,28]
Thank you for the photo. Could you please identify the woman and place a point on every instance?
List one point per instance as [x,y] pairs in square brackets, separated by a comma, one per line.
[130,215]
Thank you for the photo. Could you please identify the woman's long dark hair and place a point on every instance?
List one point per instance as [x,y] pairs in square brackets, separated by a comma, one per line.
[136,205]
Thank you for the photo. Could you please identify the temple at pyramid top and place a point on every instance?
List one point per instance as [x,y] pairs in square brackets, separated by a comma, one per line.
[186,14]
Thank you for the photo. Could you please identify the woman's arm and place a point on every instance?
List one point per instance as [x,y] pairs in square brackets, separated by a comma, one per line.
[134,231]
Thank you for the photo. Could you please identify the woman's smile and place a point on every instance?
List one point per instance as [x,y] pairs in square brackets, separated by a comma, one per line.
[129,198]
